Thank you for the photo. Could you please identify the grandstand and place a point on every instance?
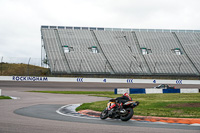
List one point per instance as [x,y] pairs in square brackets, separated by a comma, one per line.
[116,51]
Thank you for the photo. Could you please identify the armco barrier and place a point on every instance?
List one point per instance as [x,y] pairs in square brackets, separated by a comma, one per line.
[97,80]
[153,91]
[0,92]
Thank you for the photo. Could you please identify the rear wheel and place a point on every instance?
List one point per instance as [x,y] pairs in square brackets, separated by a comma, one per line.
[128,115]
[104,114]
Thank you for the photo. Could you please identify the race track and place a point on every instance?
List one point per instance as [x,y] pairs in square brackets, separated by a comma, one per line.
[36,112]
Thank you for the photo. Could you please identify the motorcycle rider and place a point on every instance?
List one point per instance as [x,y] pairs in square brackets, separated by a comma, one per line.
[121,100]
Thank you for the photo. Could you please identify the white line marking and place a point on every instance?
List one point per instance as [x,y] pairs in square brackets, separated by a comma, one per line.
[14,97]
[73,110]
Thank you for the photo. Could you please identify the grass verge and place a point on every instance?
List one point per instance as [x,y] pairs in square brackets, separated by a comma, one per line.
[10,69]
[4,97]
[161,105]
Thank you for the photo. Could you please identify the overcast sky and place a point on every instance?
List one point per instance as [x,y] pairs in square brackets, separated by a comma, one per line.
[20,20]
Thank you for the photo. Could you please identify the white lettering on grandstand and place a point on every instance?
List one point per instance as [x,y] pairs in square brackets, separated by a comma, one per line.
[24,78]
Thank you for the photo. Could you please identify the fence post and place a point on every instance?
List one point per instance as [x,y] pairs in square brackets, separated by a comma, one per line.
[1,65]
[28,65]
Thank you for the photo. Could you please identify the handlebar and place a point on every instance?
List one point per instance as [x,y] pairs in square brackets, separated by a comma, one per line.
[112,100]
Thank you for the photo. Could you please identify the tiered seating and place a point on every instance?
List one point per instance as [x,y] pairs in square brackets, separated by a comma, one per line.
[56,59]
[191,44]
[136,51]
[81,59]
[117,50]
[162,59]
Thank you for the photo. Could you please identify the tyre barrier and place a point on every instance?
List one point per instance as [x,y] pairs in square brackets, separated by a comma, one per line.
[154,91]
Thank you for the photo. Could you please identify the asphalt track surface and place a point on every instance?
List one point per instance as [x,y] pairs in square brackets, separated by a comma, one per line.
[36,112]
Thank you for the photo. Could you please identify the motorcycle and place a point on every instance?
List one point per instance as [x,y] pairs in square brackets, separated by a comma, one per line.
[112,110]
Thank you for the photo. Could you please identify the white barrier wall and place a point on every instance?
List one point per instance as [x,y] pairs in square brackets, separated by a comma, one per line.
[97,80]
[0,92]
[123,90]
[153,91]
[190,90]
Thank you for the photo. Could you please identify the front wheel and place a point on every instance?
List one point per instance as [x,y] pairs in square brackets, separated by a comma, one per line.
[104,114]
[128,115]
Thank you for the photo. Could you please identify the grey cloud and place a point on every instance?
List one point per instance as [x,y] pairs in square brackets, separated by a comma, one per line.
[20,20]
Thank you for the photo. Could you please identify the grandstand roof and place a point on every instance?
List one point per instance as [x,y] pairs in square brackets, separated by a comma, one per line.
[117,29]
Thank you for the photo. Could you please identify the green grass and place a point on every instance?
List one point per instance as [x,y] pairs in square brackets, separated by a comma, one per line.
[150,104]
[156,105]
[4,97]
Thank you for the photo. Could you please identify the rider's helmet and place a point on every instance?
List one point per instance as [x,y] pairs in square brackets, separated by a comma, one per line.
[127,95]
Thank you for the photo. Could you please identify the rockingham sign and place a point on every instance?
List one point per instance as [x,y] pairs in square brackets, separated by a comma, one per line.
[24,78]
